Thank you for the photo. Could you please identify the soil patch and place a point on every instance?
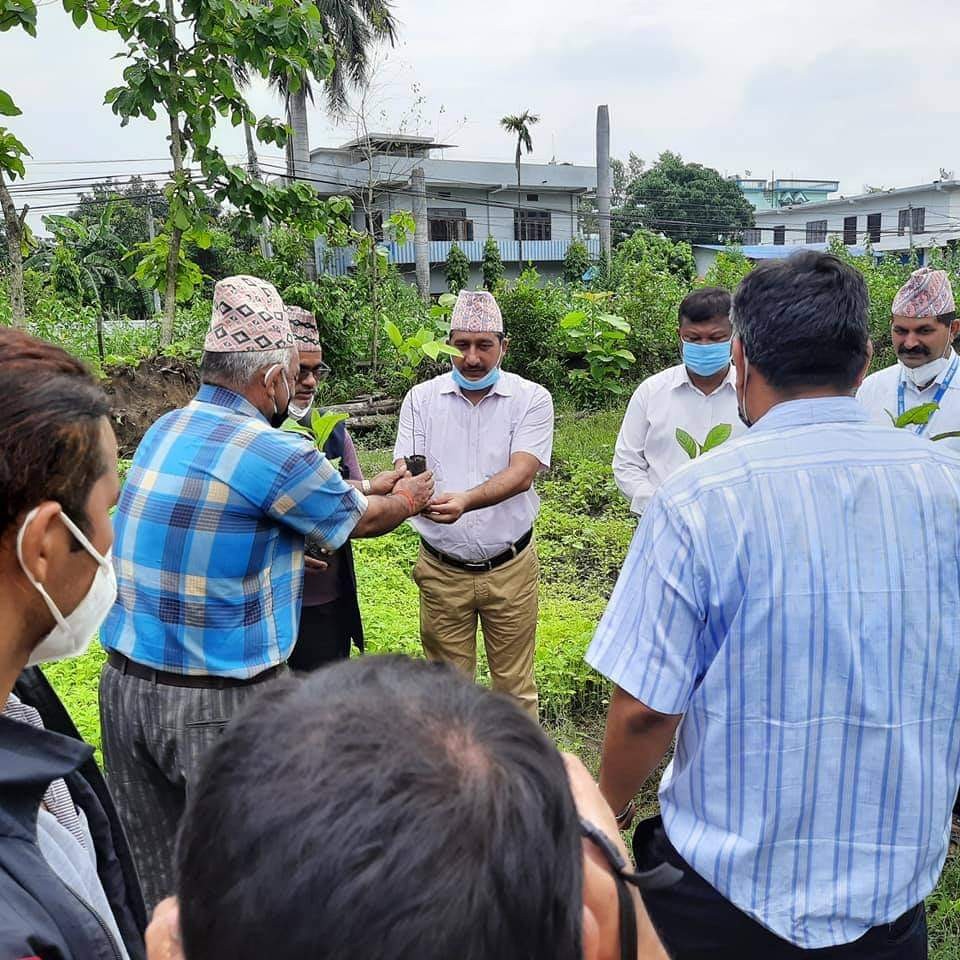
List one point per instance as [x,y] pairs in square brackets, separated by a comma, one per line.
[141,395]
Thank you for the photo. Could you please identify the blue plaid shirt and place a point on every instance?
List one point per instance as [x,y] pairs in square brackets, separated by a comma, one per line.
[795,594]
[209,539]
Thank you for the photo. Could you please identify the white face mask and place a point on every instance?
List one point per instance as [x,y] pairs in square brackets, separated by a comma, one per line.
[298,413]
[73,633]
[926,373]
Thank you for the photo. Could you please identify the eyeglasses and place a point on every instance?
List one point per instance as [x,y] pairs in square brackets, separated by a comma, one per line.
[319,372]
[662,876]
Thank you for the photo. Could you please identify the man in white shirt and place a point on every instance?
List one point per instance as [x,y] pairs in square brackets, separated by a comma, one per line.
[485,434]
[923,329]
[695,396]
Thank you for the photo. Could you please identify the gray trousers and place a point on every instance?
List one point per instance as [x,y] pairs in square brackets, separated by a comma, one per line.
[154,738]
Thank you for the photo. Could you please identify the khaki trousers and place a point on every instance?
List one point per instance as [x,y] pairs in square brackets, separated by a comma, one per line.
[504,599]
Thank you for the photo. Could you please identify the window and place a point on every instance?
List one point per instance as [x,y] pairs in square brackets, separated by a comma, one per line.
[873,226]
[751,236]
[536,225]
[919,219]
[912,219]
[850,231]
[779,236]
[449,223]
[533,197]
[816,231]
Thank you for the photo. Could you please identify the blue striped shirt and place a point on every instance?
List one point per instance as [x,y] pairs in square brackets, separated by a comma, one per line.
[795,594]
[209,541]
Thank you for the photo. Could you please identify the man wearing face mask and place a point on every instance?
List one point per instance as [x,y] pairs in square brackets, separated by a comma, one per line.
[924,327]
[696,396]
[68,887]
[330,618]
[486,434]
[209,555]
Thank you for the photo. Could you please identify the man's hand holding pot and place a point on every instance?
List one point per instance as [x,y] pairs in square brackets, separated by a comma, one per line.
[418,489]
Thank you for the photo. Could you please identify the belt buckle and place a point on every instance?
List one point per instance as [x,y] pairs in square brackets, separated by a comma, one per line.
[480,566]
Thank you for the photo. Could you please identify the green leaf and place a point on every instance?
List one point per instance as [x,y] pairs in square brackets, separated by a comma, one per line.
[447,300]
[448,350]
[626,354]
[324,424]
[719,434]
[7,107]
[916,416]
[946,436]
[291,426]
[432,349]
[573,319]
[618,323]
[687,442]
[393,332]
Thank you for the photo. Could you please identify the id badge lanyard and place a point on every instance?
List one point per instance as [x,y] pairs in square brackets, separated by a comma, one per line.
[937,397]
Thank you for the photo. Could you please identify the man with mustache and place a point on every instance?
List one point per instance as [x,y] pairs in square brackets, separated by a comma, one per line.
[923,330]
[486,434]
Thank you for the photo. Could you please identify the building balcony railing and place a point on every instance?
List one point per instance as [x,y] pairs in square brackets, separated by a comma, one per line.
[338,260]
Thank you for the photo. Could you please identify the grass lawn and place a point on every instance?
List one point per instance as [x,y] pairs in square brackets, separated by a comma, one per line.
[583,533]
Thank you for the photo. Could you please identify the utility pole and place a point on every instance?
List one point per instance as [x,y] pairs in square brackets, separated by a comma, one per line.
[603,181]
[421,240]
[152,233]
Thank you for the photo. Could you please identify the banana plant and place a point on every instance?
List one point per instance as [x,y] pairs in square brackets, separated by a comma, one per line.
[717,435]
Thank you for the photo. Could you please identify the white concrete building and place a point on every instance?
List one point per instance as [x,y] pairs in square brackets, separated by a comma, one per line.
[919,217]
[467,201]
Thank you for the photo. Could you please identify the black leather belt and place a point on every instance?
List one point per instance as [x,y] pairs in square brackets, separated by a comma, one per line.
[127,666]
[481,566]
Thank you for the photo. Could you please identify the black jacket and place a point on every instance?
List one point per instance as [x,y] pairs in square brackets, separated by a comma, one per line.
[39,915]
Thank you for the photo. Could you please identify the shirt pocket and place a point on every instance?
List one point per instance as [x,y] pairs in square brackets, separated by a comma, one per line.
[496,448]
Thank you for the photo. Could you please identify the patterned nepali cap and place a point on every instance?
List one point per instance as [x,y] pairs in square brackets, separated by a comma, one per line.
[476,312]
[303,326]
[248,316]
[926,294]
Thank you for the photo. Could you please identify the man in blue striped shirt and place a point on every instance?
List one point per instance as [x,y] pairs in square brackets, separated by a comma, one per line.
[790,607]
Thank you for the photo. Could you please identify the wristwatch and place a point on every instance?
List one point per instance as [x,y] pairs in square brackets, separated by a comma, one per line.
[365,486]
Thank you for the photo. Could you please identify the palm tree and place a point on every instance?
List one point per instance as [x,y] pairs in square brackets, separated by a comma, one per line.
[520,125]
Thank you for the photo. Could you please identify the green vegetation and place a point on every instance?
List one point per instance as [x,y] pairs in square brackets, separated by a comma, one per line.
[457,269]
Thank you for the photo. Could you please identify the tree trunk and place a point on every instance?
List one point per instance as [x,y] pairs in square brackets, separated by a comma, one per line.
[14,239]
[421,241]
[519,215]
[176,235]
[300,157]
[253,167]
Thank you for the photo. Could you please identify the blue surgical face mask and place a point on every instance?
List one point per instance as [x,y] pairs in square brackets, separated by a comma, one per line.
[706,358]
[486,381]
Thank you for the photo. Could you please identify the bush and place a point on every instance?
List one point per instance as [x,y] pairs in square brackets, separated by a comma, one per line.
[576,262]
[493,268]
[457,269]
[730,267]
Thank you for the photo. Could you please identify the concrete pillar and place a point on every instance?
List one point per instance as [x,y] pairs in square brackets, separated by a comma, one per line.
[603,180]
[421,241]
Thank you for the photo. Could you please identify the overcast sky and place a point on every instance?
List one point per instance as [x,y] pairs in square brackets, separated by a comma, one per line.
[863,91]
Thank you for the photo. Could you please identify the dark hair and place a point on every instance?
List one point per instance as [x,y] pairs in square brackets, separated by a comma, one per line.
[381,809]
[803,321]
[50,442]
[947,318]
[704,304]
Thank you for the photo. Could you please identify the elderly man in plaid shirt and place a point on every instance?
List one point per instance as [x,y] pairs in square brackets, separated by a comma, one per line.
[209,555]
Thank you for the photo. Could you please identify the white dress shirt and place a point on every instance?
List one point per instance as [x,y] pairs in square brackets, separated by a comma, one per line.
[647,451]
[878,393]
[465,445]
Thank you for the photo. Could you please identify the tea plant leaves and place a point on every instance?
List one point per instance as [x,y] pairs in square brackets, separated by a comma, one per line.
[718,434]
[689,445]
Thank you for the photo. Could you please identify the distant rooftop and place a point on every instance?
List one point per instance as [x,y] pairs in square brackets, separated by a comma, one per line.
[390,142]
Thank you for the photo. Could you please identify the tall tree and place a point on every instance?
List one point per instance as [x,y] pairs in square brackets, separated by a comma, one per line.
[687,201]
[520,125]
[184,60]
[352,27]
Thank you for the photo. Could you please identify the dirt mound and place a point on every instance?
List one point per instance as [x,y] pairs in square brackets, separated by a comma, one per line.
[141,395]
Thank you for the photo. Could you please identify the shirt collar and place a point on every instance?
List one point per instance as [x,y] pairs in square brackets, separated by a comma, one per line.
[811,410]
[501,387]
[683,379]
[222,397]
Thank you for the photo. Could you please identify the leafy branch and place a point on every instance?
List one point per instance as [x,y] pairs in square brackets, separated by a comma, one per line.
[717,435]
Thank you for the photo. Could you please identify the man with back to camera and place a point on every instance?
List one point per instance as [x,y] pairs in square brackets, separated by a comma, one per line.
[798,630]
[696,395]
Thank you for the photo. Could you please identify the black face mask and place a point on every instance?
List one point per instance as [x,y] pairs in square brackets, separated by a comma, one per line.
[661,876]
[279,417]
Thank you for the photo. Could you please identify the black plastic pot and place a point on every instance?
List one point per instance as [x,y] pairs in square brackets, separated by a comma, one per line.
[416,464]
